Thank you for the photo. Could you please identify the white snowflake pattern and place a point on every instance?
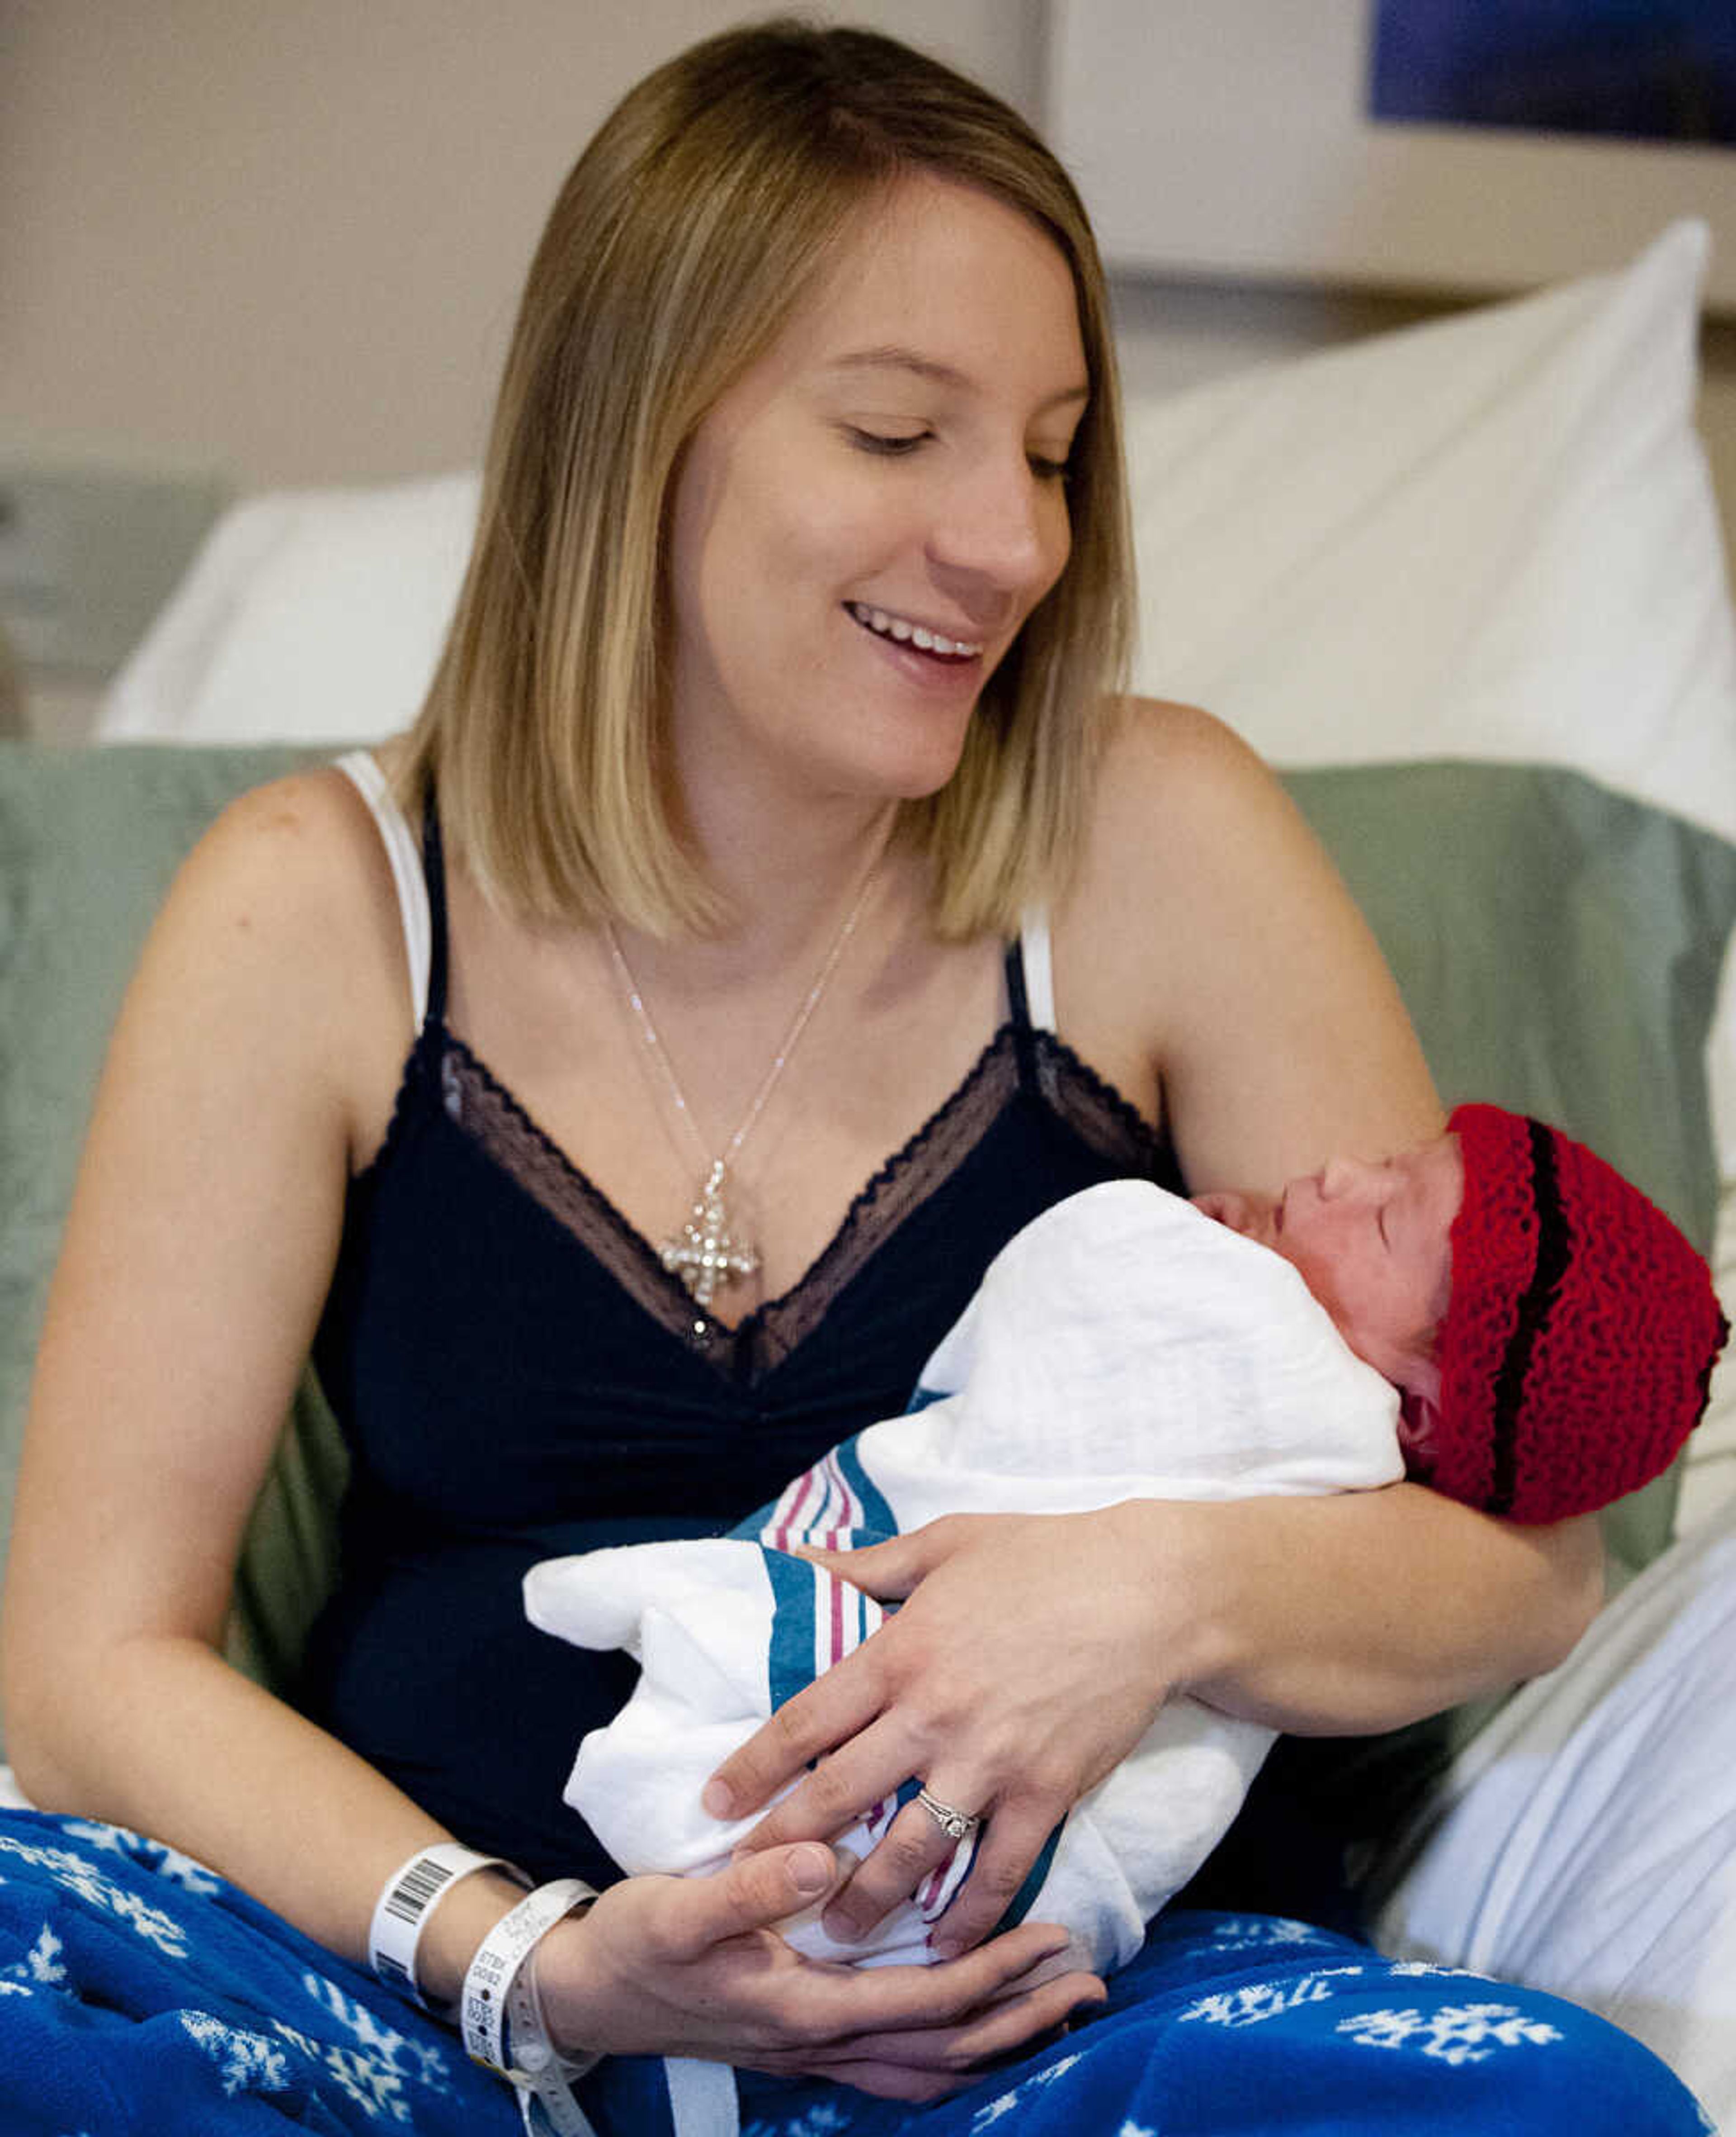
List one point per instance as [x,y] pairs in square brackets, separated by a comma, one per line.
[1456,2033]
[1051,2071]
[41,1963]
[86,1882]
[383,2041]
[15,1988]
[1238,1932]
[1419,1968]
[1259,2000]
[155,1854]
[249,2061]
[820,2120]
[402,2058]
[111,1839]
[375,2086]
[1004,2103]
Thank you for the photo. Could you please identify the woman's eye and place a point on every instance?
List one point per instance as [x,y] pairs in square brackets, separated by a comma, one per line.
[1049,471]
[889,444]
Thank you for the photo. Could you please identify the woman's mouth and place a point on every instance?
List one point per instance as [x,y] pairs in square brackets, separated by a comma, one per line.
[902,631]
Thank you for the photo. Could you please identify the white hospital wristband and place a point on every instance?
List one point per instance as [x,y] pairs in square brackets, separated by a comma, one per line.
[410,1896]
[493,1989]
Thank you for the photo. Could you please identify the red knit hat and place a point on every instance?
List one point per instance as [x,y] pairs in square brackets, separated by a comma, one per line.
[1581,1332]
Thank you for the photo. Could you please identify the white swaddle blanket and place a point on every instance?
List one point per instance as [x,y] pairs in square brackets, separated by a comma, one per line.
[1122,1346]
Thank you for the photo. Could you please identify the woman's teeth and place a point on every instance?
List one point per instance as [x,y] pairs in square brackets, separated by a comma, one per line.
[885,625]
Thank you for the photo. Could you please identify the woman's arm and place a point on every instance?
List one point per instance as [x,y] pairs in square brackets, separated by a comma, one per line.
[255,1059]
[1209,957]
[198,1248]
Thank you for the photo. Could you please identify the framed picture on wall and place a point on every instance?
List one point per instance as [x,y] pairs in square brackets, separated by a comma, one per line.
[1466,146]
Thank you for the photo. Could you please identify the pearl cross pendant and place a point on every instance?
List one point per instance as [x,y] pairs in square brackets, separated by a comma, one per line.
[707,1256]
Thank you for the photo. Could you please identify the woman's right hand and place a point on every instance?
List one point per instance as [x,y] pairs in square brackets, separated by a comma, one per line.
[695,1967]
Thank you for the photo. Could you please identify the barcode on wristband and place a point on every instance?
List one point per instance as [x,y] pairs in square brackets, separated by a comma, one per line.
[401,1911]
[417,1890]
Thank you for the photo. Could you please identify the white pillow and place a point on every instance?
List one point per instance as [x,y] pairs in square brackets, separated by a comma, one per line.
[1493,536]
[307,616]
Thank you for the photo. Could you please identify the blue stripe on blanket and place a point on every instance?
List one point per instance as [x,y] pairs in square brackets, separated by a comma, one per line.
[789,1660]
[878,1520]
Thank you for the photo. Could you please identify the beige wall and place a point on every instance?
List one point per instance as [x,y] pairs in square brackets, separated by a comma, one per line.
[280,240]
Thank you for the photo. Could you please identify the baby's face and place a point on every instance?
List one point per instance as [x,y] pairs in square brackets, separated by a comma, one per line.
[1372,1242]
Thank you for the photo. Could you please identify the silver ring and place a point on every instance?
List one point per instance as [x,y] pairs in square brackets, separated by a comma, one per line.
[955,1824]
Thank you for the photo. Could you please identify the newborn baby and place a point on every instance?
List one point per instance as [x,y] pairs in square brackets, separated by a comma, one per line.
[1497,1305]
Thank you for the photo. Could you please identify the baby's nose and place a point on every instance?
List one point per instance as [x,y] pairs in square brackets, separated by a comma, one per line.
[1346,1176]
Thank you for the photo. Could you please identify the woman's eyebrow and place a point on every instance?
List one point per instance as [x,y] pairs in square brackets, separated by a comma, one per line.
[927,367]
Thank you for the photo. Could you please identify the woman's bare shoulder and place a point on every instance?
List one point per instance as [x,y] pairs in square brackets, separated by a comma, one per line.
[1210,929]
[1182,809]
[308,833]
[283,920]
[294,863]
[1178,768]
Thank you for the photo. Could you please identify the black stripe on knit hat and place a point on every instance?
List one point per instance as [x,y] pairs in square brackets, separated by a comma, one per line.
[1554,1247]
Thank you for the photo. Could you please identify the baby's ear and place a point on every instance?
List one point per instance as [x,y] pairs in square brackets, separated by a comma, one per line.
[1419,1414]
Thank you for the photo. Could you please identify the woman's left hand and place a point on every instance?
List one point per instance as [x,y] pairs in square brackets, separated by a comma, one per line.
[1027,1660]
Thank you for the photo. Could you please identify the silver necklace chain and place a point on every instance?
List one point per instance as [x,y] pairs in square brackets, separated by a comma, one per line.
[711,1252]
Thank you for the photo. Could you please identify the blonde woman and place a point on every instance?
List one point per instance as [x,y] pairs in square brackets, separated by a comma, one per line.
[792,912]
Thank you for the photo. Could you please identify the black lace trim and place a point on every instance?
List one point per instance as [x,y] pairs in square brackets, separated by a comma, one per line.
[1110,1123]
[483,1106]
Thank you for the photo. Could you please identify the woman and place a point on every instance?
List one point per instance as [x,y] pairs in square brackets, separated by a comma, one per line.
[776,695]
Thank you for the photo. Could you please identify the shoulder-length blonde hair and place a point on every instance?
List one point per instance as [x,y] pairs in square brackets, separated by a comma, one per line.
[699,218]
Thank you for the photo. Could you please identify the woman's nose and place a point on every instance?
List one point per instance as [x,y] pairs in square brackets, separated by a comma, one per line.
[1004,528]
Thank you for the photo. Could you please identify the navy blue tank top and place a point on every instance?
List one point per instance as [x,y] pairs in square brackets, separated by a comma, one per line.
[517,1375]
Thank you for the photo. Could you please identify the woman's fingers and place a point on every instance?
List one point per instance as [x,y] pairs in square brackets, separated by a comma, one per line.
[1002,2030]
[839,1704]
[698,1913]
[887,1571]
[841,1707]
[693,1966]
[1012,1834]
[1011,1841]
[912,1848]
[925,2062]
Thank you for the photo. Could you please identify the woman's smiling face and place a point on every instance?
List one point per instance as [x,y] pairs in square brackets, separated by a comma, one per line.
[864,521]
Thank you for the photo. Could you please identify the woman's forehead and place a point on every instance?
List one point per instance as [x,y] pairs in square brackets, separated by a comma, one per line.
[936,279]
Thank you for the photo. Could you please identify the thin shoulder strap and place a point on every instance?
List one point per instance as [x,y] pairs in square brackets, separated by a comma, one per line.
[412,884]
[1037,963]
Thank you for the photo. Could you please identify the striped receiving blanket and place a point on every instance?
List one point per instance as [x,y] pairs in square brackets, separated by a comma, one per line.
[1122,1346]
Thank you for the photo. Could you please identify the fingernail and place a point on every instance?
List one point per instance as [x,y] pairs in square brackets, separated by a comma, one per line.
[945,1948]
[840,1928]
[716,1799]
[810,1869]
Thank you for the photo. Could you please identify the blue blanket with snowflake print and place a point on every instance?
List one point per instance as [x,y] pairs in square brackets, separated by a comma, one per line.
[140,1993]
[140,1996]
